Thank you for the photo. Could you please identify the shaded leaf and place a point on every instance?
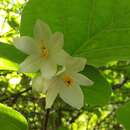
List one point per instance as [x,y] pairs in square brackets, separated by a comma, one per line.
[11,53]
[63,128]
[123,115]
[99,93]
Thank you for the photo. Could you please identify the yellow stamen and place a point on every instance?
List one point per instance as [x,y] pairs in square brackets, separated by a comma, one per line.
[68,80]
[43,50]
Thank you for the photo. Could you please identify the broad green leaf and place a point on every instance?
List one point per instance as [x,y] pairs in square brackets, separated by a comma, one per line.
[11,119]
[99,93]
[68,16]
[126,69]
[96,29]
[123,116]
[11,53]
[7,65]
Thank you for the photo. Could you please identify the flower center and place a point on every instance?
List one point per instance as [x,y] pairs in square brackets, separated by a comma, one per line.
[44,52]
[68,80]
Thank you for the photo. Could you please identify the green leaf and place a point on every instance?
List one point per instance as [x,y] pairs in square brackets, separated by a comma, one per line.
[11,53]
[7,65]
[67,16]
[104,25]
[11,119]
[99,93]
[123,115]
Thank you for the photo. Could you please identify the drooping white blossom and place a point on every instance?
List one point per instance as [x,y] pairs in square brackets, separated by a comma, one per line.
[67,83]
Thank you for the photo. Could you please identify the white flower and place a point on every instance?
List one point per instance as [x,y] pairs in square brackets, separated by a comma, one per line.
[38,84]
[44,51]
[67,84]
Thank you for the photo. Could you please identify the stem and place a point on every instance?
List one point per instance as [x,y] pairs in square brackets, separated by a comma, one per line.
[121,84]
[46,119]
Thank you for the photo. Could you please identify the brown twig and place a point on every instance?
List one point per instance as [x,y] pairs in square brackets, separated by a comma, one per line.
[103,120]
[16,95]
[121,84]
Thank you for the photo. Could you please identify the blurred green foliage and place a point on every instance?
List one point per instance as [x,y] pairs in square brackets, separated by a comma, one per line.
[15,88]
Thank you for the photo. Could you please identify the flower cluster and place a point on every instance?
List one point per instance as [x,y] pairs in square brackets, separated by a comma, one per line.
[59,72]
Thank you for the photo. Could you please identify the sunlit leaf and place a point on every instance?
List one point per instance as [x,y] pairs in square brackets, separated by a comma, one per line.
[92,29]
[7,65]
[11,119]
[69,17]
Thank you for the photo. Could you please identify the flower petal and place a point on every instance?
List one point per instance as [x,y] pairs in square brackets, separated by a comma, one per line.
[42,31]
[52,93]
[76,64]
[60,57]
[82,80]
[25,44]
[31,64]
[38,84]
[56,42]
[72,95]
[48,69]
